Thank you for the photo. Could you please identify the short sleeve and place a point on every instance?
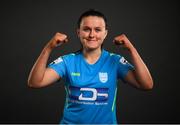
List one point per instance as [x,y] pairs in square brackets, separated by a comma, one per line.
[59,66]
[123,67]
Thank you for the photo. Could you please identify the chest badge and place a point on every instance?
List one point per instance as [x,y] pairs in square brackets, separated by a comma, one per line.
[103,77]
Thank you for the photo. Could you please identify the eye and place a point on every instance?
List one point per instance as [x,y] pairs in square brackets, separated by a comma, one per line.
[86,29]
[97,30]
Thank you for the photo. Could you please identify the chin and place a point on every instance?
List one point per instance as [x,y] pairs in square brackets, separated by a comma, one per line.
[92,48]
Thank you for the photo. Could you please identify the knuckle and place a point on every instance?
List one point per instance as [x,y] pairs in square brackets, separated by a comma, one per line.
[60,36]
[64,36]
[57,34]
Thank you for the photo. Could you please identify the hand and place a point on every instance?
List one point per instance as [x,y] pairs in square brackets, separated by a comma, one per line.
[57,40]
[123,41]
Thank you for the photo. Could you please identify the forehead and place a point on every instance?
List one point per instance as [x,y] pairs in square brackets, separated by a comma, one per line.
[93,21]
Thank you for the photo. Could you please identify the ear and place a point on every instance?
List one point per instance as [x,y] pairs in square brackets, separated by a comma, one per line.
[106,32]
[77,31]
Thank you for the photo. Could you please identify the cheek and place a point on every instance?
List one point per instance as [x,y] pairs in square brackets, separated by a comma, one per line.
[83,34]
[82,37]
[101,36]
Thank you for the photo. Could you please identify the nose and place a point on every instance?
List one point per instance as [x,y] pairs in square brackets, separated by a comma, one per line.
[91,34]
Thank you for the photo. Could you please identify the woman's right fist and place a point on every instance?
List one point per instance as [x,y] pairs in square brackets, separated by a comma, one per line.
[57,40]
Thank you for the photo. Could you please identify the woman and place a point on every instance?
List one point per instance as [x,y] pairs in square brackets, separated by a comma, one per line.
[90,74]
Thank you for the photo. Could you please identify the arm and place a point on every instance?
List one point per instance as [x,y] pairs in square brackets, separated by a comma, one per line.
[140,77]
[40,75]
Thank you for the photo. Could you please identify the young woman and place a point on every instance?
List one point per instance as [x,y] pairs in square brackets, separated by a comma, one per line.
[90,74]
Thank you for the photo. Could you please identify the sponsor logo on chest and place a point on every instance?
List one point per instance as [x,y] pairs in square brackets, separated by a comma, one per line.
[86,95]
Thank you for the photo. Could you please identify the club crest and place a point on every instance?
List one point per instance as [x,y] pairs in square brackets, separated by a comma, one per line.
[103,77]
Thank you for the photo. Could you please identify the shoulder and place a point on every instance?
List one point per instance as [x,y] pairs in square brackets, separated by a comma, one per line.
[113,56]
[71,56]
[66,58]
[117,58]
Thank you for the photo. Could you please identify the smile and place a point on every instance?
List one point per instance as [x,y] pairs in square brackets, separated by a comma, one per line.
[90,40]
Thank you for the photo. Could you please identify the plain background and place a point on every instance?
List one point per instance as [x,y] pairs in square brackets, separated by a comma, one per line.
[26,26]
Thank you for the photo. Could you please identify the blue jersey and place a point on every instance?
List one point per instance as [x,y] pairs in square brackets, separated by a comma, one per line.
[90,88]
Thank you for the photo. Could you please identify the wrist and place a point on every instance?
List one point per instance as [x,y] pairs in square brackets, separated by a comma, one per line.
[48,49]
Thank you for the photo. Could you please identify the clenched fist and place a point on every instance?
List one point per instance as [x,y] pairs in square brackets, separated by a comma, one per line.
[123,41]
[57,40]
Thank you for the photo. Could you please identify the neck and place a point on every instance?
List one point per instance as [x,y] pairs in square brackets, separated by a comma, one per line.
[92,56]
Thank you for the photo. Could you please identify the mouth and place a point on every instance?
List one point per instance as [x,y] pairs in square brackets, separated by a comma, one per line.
[91,40]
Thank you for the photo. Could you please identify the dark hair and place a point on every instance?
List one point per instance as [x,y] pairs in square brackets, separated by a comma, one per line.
[92,12]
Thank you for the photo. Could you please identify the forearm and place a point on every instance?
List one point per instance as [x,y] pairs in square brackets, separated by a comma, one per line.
[141,71]
[39,68]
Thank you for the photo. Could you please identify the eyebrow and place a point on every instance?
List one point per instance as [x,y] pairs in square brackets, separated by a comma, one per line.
[90,27]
